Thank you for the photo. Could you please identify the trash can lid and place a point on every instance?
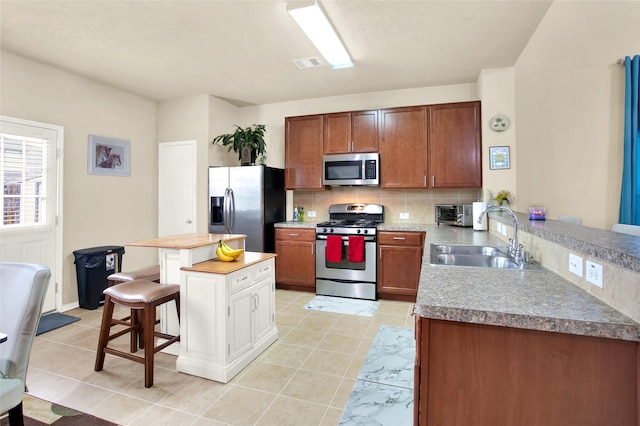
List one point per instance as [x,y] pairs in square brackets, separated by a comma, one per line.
[98,250]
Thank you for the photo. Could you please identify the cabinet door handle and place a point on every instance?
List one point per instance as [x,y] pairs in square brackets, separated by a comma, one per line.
[399,238]
[242,279]
[294,235]
[425,181]
[380,252]
[313,249]
[433,180]
[257,303]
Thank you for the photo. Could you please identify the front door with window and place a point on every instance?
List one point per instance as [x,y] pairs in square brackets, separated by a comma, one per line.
[28,210]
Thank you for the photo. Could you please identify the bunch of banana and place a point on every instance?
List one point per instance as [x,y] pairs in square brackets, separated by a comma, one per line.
[226,253]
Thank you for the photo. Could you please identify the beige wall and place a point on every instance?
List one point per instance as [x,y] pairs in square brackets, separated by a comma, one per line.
[98,210]
[496,89]
[569,106]
[188,119]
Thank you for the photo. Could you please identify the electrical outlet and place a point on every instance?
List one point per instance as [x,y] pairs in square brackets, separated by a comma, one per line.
[575,265]
[311,213]
[404,215]
[594,274]
[502,229]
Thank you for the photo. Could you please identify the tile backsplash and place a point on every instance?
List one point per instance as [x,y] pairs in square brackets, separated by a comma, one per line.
[419,203]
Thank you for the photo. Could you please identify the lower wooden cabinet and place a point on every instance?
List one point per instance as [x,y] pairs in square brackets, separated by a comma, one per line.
[472,374]
[296,260]
[399,263]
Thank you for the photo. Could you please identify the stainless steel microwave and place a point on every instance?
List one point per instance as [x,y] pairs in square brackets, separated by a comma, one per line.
[351,169]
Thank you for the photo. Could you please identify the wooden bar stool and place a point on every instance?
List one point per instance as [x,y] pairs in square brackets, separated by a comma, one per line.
[143,296]
[151,273]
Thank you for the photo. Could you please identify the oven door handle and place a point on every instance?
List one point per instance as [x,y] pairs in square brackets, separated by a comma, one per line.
[370,238]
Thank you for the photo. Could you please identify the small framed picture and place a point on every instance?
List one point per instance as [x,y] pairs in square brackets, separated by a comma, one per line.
[108,156]
[499,157]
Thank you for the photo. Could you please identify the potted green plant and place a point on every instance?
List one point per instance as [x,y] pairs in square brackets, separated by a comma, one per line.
[502,198]
[247,142]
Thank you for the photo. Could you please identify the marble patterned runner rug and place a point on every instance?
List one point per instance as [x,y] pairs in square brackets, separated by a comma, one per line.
[383,393]
[342,305]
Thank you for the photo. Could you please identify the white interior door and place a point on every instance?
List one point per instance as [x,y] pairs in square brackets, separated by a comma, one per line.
[30,175]
[177,188]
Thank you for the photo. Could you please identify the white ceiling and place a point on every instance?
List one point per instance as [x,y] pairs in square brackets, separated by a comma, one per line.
[241,51]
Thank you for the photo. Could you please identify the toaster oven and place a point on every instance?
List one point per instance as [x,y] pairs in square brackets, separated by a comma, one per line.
[454,214]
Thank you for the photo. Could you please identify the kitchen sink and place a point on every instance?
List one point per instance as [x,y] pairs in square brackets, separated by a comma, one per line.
[464,249]
[475,256]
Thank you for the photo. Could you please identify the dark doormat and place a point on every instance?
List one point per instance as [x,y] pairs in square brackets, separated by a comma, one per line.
[52,321]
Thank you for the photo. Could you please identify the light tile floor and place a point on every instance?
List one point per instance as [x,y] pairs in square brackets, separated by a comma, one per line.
[305,378]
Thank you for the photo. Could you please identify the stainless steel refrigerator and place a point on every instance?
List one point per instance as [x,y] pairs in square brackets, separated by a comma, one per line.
[247,200]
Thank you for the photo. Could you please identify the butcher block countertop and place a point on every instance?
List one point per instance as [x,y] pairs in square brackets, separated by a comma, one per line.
[217,266]
[186,241]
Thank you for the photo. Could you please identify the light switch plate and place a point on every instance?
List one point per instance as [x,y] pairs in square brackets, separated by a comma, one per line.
[575,265]
[311,213]
[404,215]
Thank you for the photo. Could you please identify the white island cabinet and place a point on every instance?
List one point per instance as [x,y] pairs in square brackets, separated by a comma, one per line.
[227,315]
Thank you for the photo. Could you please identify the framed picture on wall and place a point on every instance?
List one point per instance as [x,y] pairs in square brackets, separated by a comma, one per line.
[499,157]
[108,156]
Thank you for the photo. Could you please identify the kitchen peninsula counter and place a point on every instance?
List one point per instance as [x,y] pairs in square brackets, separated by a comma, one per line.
[493,346]
[536,300]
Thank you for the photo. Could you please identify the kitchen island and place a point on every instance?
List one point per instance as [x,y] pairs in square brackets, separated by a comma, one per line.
[227,309]
[227,315]
[175,252]
[519,347]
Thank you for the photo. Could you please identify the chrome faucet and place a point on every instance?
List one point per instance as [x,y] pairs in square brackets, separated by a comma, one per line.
[515,249]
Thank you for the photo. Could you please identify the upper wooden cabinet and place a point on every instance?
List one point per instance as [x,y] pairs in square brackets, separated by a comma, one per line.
[403,147]
[428,146]
[349,132]
[455,145]
[303,152]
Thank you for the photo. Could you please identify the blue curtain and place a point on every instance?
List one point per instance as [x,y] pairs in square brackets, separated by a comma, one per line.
[630,196]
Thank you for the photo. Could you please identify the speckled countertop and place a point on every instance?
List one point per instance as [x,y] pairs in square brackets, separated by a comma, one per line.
[535,300]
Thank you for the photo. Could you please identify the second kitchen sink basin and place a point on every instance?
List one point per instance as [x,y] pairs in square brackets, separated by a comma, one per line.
[478,256]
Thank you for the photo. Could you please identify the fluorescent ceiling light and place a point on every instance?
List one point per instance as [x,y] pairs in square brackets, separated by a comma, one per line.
[319,30]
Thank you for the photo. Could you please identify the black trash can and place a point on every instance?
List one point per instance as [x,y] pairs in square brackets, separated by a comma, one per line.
[93,266]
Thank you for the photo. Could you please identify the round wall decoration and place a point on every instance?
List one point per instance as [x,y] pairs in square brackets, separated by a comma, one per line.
[499,123]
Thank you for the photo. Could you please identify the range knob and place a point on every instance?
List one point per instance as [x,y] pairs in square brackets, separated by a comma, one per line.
[331,230]
[366,231]
[358,231]
[324,230]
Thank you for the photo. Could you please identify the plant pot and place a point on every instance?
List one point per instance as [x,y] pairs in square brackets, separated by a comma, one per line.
[247,157]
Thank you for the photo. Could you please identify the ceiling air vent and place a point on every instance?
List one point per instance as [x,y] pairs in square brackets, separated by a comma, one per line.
[305,63]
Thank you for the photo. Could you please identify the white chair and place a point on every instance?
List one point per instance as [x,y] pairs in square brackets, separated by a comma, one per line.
[22,291]
[626,229]
[570,219]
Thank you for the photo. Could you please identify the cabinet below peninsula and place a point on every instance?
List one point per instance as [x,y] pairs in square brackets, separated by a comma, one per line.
[480,374]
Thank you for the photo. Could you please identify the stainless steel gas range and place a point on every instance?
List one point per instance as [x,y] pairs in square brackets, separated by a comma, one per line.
[346,251]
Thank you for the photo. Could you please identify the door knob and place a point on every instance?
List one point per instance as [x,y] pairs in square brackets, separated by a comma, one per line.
[188,220]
